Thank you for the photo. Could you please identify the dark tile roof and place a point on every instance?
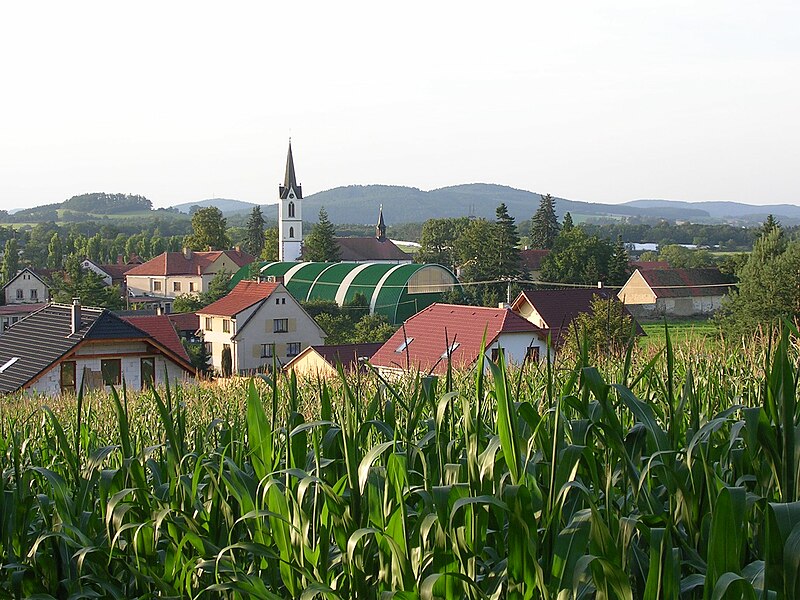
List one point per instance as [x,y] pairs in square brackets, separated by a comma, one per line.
[346,354]
[432,328]
[532,258]
[684,283]
[185,321]
[43,337]
[177,263]
[559,307]
[369,248]
[245,294]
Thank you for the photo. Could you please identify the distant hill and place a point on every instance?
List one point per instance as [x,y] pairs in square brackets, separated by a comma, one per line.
[725,210]
[226,205]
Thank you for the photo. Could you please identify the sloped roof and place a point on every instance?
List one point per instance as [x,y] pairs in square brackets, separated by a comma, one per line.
[43,337]
[160,328]
[684,283]
[185,321]
[17,309]
[176,263]
[369,248]
[432,329]
[349,355]
[649,264]
[532,258]
[243,296]
[116,270]
[559,307]
[43,275]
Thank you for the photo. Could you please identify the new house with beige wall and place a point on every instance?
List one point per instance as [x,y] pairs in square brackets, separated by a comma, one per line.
[259,322]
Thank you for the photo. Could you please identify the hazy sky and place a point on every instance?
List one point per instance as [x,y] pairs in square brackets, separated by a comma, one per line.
[599,101]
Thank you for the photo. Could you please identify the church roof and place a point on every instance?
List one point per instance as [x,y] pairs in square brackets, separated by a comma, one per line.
[289,179]
[359,249]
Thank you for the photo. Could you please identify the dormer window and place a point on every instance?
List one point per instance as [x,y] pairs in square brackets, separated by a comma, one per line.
[291,208]
[404,345]
[450,350]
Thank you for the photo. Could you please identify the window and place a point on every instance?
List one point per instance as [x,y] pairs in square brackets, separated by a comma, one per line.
[280,300]
[20,295]
[293,349]
[208,324]
[280,325]
[156,286]
[291,210]
[176,286]
[209,348]
[496,354]
[148,370]
[191,286]
[226,325]
[34,294]
[449,351]
[267,350]
[404,345]
[111,369]
[283,300]
[291,232]
[68,376]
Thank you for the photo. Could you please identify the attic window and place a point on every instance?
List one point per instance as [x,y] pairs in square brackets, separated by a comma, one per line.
[451,349]
[8,364]
[404,345]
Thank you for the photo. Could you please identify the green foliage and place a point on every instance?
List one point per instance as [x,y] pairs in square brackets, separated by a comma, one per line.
[226,364]
[351,323]
[217,288]
[209,230]
[663,477]
[254,242]
[619,267]
[372,329]
[769,286]
[577,258]
[544,224]
[504,248]
[438,241]
[185,303]
[55,252]
[10,260]
[87,285]
[320,245]
[606,330]
[198,355]
[271,244]
[567,223]
[679,257]
[107,204]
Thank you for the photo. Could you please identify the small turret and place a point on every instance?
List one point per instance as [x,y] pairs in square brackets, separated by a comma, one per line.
[380,228]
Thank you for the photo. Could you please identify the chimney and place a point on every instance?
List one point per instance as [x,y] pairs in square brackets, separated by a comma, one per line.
[187,253]
[238,248]
[160,310]
[600,285]
[75,320]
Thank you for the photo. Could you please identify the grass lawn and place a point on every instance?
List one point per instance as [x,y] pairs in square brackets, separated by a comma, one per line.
[699,330]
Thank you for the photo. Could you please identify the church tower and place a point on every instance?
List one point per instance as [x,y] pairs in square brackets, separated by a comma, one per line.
[380,228]
[290,214]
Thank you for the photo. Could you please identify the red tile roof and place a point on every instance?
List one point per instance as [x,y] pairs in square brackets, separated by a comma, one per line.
[160,329]
[185,321]
[683,283]
[176,263]
[116,271]
[369,248]
[649,264]
[532,258]
[19,309]
[434,327]
[245,294]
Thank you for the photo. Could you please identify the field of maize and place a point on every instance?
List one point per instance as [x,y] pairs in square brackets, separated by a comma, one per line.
[658,475]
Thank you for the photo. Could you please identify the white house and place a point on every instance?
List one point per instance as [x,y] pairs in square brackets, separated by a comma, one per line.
[27,287]
[257,323]
[675,292]
[454,332]
[56,349]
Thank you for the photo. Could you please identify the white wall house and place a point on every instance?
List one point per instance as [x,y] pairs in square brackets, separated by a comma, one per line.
[27,287]
[258,323]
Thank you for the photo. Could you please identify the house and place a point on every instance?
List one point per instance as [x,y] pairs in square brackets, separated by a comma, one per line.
[170,274]
[59,347]
[12,313]
[187,325]
[112,273]
[442,331]
[554,310]
[258,323]
[675,292]
[322,361]
[531,259]
[27,287]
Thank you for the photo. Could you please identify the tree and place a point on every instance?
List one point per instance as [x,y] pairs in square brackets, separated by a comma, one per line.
[768,225]
[10,260]
[320,244]
[544,224]
[505,246]
[577,258]
[210,230]
[567,223]
[87,285]
[372,329]
[769,286]
[680,257]
[270,250]
[619,268]
[226,365]
[55,252]
[438,241]
[255,232]
[187,303]
[606,329]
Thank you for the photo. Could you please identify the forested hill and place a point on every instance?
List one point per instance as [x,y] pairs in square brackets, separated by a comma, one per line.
[83,208]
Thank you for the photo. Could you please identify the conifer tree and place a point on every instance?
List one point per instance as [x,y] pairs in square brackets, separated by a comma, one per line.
[567,223]
[320,244]
[55,252]
[544,224]
[506,245]
[619,264]
[254,242]
[10,260]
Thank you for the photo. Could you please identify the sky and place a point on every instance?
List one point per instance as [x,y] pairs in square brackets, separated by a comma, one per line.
[597,101]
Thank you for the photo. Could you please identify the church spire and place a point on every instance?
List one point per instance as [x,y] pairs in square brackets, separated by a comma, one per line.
[380,228]
[290,180]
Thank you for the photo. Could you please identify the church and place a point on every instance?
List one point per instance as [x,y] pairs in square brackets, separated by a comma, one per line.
[378,249]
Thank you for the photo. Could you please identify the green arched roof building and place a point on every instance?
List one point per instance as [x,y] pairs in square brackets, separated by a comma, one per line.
[395,291]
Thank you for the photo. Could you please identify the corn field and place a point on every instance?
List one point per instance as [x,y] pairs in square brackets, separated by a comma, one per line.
[661,476]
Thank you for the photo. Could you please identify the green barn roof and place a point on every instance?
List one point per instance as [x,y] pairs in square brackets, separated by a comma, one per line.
[390,289]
